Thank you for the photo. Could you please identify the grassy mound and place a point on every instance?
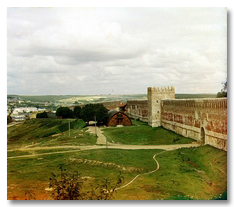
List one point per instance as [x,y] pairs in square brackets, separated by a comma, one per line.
[142,134]
[38,128]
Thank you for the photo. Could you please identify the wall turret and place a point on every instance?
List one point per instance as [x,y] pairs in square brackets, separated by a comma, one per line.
[155,95]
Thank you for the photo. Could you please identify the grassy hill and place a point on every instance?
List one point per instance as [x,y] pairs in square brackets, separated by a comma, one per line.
[39,128]
[143,134]
[48,132]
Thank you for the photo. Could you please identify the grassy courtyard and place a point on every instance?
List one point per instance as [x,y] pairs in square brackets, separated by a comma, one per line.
[143,134]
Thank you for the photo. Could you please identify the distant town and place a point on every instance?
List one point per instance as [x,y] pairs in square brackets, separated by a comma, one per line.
[21,108]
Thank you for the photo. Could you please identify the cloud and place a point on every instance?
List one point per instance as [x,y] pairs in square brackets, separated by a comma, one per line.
[125,50]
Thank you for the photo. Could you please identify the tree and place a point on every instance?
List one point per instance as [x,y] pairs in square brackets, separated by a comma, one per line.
[9,119]
[89,111]
[223,92]
[64,112]
[77,111]
[101,113]
[42,115]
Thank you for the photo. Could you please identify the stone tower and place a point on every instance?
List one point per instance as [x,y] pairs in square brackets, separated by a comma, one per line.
[155,95]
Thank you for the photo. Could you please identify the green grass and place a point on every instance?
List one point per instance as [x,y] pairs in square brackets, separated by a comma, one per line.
[194,173]
[49,132]
[189,173]
[142,134]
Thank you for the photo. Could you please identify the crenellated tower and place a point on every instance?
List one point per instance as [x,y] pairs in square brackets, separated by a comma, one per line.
[155,95]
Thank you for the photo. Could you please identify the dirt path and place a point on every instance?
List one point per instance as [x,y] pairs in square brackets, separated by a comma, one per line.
[143,173]
[13,124]
[101,139]
[163,147]
[92,147]
[75,149]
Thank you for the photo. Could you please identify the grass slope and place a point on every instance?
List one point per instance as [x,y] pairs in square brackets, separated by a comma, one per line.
[142,134]
[48,132]
[194,173]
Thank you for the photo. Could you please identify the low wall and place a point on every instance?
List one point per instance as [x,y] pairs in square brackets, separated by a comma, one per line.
[204,120]
[137,109]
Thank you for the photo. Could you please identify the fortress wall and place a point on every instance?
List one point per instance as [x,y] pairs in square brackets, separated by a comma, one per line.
[138,109]
[204,120]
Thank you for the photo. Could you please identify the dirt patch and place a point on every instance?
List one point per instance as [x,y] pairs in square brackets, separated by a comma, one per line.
[34,190]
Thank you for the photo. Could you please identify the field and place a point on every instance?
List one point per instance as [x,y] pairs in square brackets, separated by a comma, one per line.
[142,134]
[186,173]
[198,173]
[84,99]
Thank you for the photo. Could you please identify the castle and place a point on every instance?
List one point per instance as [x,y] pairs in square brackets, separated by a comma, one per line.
[204,120]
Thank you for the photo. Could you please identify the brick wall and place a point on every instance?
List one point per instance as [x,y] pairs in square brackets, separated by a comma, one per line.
[138,109]
[204,120]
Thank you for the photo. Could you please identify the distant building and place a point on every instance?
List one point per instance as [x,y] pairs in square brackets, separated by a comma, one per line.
[33,115]
[24,110]
[118,118]
[122,107]
[19,118]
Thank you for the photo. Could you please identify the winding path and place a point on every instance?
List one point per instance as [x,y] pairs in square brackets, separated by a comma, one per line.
[142,173]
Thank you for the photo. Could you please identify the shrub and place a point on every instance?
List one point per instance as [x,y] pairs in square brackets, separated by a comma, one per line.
[68,186]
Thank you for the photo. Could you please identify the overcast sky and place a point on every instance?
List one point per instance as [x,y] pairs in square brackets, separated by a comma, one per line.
[115,50]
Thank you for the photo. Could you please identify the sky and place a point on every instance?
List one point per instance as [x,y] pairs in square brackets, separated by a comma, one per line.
[93,51]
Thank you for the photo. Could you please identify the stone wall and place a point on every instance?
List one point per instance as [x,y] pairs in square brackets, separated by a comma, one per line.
[138,109]
[204,120]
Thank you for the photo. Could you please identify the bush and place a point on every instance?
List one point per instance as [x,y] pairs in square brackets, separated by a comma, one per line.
[42,115]
[67,186]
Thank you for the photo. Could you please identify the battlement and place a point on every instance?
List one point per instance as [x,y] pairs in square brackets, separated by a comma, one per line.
[198,103]
[161,89]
